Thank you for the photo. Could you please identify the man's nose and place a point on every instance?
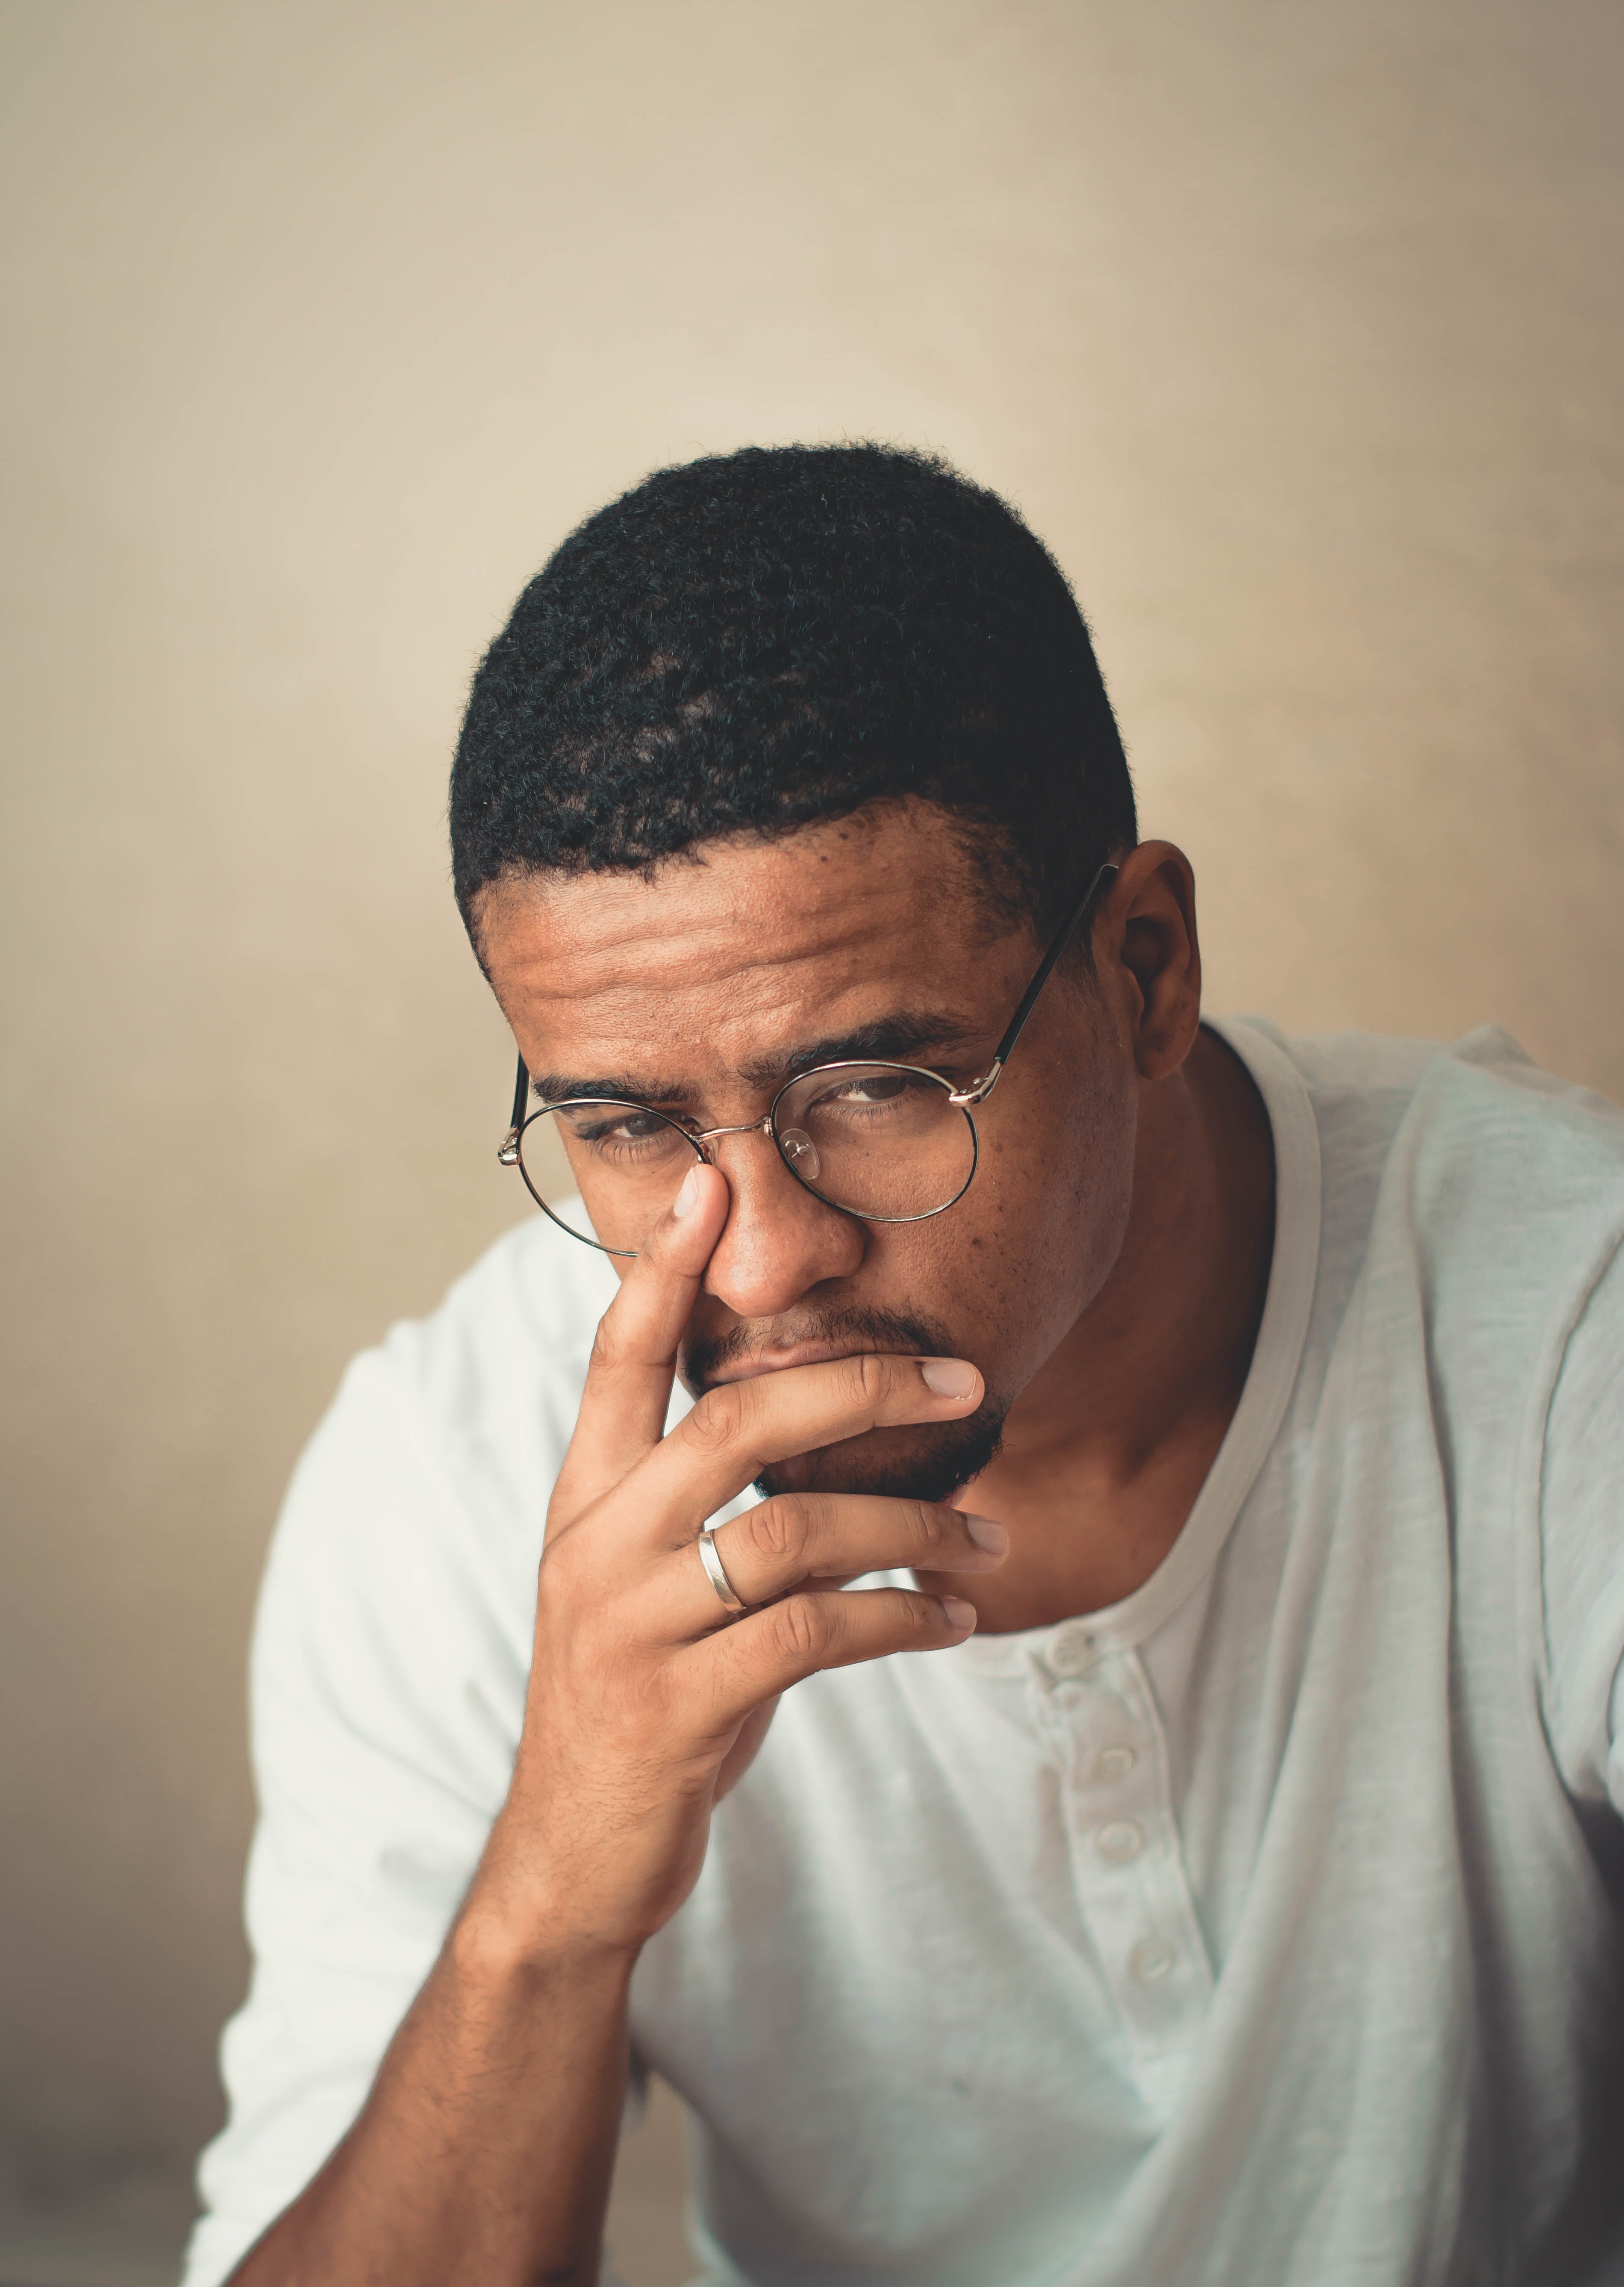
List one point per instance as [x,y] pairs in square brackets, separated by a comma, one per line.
[778,1241]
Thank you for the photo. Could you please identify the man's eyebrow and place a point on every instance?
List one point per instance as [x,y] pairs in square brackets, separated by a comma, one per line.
[902,1037]
[560,1088]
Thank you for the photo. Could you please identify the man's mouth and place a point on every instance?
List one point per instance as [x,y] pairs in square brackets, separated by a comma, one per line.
[779,1358]
[811,1338]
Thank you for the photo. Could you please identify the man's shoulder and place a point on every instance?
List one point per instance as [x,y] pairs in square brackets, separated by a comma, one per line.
[1488,1133]
[1494,1185]
[1467,1122]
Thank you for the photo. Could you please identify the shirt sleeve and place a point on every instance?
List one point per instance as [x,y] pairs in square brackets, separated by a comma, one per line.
[1582,1520]
[391,1652]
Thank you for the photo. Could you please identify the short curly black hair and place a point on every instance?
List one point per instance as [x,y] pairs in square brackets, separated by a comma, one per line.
[752,642]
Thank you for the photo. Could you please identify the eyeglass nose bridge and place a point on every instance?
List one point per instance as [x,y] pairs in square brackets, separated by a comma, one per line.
[796,1150]
[744,1127]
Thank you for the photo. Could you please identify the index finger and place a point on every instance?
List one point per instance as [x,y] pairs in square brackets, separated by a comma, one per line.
[737,1429]
[634,1357]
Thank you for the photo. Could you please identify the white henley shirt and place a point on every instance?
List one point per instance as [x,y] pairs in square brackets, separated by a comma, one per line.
[1262,1929]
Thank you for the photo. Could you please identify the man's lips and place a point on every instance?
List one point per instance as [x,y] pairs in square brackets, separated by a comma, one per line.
[776,1361]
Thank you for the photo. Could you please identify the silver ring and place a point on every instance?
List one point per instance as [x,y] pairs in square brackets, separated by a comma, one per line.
[716,1574]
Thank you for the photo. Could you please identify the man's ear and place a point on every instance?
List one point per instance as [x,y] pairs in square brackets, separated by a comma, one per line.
[1148,949]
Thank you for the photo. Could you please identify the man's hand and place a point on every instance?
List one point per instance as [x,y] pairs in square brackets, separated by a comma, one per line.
[646,1701]
[483,2156]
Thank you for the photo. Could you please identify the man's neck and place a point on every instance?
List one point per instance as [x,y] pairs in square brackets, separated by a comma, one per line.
[1106,1449]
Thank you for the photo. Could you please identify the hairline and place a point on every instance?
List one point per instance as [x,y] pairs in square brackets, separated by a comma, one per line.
[1002,896]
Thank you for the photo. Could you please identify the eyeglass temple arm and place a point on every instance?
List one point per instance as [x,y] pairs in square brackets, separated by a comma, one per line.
[983,1088]
[508,1151]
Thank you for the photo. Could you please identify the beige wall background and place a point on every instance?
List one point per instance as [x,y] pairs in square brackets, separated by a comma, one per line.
[1293,328]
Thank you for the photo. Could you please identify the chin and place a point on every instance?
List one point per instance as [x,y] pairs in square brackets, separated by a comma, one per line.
[928,1465]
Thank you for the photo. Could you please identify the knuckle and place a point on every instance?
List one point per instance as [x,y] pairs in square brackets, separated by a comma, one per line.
[925,1525]
[865,1376]
[718,1420]
[780,1528]
[800,1630]
[607,1347]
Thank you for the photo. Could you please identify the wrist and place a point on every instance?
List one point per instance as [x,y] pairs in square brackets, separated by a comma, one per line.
[499,1944]
[516,1923]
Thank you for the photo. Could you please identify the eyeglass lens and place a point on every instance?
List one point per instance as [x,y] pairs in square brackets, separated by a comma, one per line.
[882,1142]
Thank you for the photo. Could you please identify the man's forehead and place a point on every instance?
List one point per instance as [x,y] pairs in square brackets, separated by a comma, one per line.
[896,889]
[744,953]
[656,1032]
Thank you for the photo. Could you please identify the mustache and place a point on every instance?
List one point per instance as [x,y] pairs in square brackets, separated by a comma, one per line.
[901,1331]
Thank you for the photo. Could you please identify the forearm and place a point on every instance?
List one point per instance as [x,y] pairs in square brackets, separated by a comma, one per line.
[483,2154]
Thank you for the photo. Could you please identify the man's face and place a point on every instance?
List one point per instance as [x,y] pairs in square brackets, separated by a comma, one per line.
[685,989]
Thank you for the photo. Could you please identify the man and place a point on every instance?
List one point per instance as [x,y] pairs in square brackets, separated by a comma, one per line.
[1228,1889]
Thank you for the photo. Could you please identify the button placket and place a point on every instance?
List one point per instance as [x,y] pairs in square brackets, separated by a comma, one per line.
[1126,1857]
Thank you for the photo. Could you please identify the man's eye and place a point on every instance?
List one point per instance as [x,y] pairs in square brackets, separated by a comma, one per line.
[628,1127]
[874,1087]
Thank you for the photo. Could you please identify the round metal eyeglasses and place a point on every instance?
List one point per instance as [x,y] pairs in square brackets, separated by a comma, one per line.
[885,1142]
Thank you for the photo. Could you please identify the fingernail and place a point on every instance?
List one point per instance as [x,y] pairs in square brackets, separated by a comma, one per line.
[948,1377]
[959,1614]
[987,1533]
[687,1199]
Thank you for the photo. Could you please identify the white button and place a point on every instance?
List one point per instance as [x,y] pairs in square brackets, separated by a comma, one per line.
[1120,1840]
[1071,1651]
[1151,1958]
[1114,1763]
